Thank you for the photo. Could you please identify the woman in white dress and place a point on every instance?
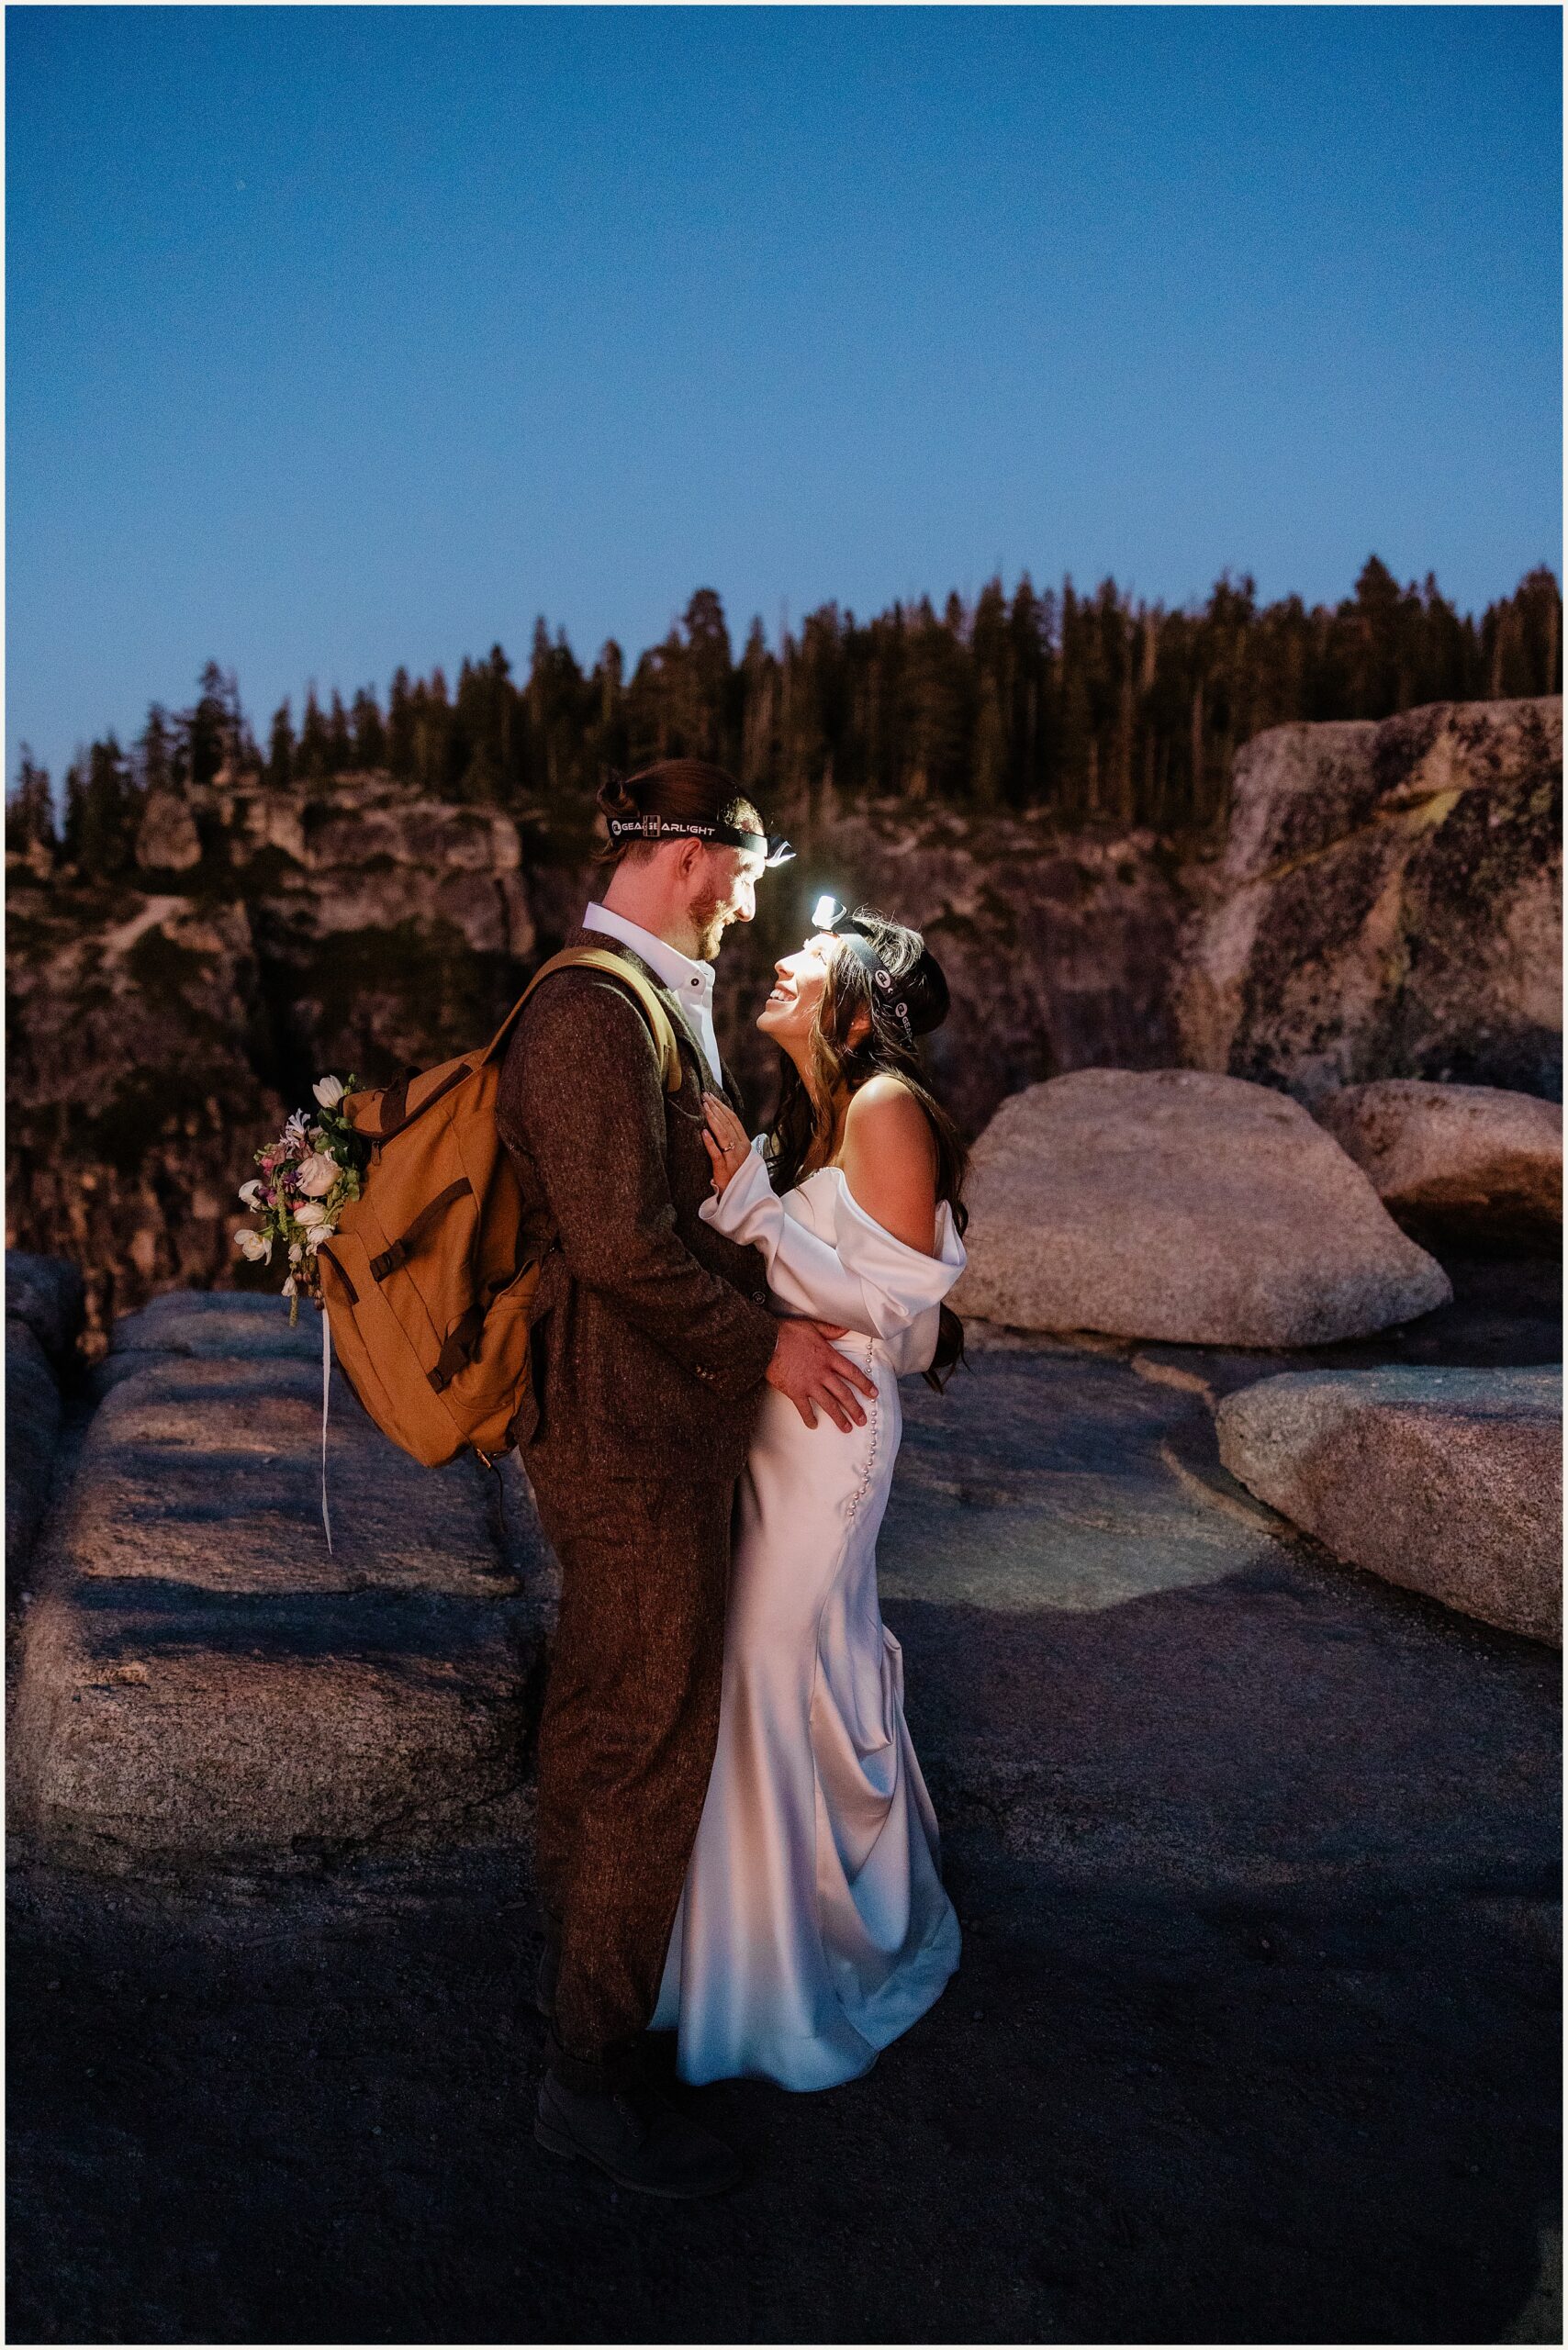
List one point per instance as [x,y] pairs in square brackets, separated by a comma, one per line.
[812,1927]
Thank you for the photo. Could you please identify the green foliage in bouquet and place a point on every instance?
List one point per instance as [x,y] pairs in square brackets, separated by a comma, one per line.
[307,1177]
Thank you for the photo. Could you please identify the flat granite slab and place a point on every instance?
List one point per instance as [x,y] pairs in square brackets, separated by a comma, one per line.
[200,1677]
[1138,1673]
[1255,2036]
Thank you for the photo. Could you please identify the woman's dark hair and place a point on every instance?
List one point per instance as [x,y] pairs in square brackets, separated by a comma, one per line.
[805,1121]
[684,788]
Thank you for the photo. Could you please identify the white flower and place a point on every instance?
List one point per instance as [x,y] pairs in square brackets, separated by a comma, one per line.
[309,1215]
[328,1091]
[317,1175]
[256,1245]
[290,1287]
[251,1193]
[296,1252]
[318,1234]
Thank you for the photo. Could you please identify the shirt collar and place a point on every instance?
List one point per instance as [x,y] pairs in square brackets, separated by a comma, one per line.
[692,982]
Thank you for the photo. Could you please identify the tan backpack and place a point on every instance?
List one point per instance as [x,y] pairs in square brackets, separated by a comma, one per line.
[427,1279]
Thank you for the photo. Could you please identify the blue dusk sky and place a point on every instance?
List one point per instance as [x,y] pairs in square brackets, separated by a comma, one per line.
[345,337]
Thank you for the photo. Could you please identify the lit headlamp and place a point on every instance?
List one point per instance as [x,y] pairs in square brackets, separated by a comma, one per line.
[828,914]
[772,847]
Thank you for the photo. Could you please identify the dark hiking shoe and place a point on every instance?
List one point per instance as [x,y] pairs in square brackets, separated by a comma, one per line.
[637,2137]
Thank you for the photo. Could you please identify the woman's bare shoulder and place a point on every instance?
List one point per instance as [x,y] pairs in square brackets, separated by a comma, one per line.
[885,1109]
[890,1159]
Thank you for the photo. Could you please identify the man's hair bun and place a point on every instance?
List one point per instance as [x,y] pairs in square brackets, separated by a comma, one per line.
[679,790]
[615,799]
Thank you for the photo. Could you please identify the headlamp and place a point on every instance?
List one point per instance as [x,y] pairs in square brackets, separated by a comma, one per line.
[828,914]
[772,847]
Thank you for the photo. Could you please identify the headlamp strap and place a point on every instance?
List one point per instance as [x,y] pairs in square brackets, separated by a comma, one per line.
[881,979]
[772,847]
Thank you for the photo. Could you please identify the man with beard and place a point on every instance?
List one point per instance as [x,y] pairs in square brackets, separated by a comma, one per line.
[651,1339]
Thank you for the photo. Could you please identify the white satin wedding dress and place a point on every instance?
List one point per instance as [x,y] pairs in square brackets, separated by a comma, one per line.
[812,1927]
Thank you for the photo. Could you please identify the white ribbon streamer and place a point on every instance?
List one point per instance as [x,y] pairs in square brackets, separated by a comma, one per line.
[326,1390]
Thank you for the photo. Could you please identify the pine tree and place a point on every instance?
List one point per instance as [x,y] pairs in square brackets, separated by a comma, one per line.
[759,697]
[1102,711]
[369,733]
[339,742]
[819,707]
[280,768]
[1373,641]
[432,734]
[311,758]
[29,811]
[400,726]
[1527,638]
[707,669]
[481,756]
[559,703]
[102,811]
[1076,776]
[155,751]
[213,734]
[605,749]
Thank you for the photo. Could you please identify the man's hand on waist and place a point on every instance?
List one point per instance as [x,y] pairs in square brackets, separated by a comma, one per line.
[809,1369]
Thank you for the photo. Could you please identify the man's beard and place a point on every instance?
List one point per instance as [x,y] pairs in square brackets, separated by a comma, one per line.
[709,922]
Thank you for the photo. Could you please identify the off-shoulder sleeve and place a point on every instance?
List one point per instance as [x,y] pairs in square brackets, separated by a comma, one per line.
[869,1281]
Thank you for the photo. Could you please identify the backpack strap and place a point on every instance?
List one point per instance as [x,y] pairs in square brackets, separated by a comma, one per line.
[598,959]
[394,1111]
[431,1213]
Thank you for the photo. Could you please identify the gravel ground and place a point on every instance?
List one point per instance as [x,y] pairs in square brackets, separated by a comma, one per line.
[1255,2039]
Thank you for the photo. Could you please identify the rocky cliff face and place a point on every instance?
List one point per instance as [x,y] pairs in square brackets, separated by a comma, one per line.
[1385,904]
[141,1078]
[1058,950]
[1388,904]
[157,1033]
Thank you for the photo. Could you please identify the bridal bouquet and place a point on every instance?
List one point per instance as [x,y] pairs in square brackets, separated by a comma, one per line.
[307,1177]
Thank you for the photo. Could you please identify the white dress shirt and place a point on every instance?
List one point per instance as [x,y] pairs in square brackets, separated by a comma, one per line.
[691,983]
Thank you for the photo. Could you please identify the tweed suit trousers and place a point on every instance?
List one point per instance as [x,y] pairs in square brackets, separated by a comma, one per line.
[626,1739]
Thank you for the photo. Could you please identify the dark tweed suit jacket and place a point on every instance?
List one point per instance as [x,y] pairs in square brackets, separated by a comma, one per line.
[651,1331]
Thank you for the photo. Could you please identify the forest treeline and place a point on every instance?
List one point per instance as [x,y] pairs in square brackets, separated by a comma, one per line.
[1100,710]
